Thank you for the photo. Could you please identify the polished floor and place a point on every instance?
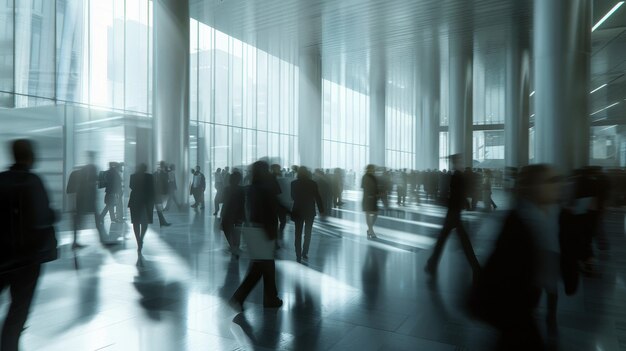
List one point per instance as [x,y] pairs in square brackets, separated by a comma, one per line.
[352,294]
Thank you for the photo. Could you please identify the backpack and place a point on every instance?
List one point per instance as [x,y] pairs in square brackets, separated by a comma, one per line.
[102,179]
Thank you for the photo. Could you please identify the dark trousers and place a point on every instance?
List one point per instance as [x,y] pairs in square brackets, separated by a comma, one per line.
[258,269]
[452,221]
[308,228]
[282,220]
[198,196]
[22,283]
[232,233]
[523,334]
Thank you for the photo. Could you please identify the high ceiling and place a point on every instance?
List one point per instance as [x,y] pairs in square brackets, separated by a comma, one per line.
[351,35]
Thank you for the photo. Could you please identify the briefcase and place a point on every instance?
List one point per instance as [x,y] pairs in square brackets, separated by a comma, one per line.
[260,247]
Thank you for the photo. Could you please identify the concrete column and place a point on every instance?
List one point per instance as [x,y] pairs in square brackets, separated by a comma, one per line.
[516,116]
[310,109]
[429,92]
[562,45]
[377,114]
[171,88]
[460,110]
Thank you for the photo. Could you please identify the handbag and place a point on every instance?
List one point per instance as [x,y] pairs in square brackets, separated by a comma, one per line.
[260,247]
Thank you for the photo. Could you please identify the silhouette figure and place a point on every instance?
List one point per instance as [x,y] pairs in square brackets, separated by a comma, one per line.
[83,182]
[113,190]
[305,194]
[233,212]
[27,239]
[172,187]
[456,203]
[371,194]
[533,250]
[219,187]
[141,203]
[197,188]
[262,203]
[161,187]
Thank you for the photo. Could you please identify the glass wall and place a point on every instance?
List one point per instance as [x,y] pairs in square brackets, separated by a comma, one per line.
[345,133]
[243,102]
[92,53]
[488,149]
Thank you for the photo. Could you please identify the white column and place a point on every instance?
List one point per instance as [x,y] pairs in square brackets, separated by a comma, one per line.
[562,43]
[460,110]
[171,87]
[428,112]
[377,114]
[516,116]
[310,110]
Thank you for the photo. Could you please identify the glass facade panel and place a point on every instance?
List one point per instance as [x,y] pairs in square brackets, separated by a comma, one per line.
[345,131]
[246,97]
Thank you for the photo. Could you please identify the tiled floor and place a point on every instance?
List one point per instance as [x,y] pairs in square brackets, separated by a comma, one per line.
[353,294]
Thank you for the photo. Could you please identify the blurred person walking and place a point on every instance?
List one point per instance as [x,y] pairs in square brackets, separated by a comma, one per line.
[197,188]
[141,203]
[261,203]
[305,195]
[113,191]
[171,188]
[371,194]
[233,212]
[27,239]
[161,189]
[83,183]
[534,250]
[456,203]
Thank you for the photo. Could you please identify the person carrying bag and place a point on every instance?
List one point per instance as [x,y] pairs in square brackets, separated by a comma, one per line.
[259,233]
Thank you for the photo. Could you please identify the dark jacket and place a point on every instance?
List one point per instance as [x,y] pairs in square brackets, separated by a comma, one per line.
[114,182]
[142,192]
[458,192]
[201,185]
[263,206]
[305,194]
[507,291]
[27,235]
[86,189]
[233,211]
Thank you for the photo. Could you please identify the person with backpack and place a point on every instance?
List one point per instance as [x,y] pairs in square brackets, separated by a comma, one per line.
[27,238]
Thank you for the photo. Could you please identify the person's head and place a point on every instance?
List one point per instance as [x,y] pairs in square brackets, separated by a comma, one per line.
[162,165]
[113,165]
[219,170]
[91,156]
[276,170]
[539,184]
[235,178]
[141,168]
[303,173]
[456,161]
[23,153]
[172,167]
[226,169]
[197,169]
[370,169]
[260,170]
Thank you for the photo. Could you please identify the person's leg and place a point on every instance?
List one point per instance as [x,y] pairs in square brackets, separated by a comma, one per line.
[298,238]
[270,293]
[194,193]
[433,261]
[251,279]
[22,286]
[216,203]
[467,247]
[308,229]
[137,231]
[235,238]
[369,222]
[551,316]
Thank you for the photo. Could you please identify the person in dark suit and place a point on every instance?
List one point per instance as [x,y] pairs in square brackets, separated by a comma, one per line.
[456,203]
[534,249]
[197,188]
[26,215]
[161,188]
[141,203]
[262,205]
[233,211]
[113,191]
[305,194]
[85,188]
[371,194]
